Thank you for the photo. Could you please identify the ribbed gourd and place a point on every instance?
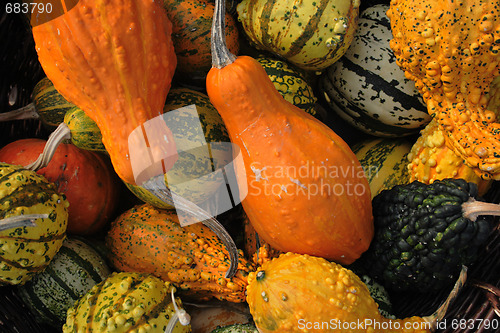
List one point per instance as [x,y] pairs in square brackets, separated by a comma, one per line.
[301,293]
[150,240]
[367,89]
[75,269]
[115,60]
[425,233]
[125,302]
[384,161]
[27,250]
[301,195]
[311,35]
[430,159]
[451,50]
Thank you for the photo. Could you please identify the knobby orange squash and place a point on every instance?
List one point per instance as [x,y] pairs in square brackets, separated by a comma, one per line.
[305,190]
[115,60]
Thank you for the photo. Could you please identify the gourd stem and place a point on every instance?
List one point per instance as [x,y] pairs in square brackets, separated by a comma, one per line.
[443,308]
[221,56]
[26,112]
[473,208]
[21,221]
[180,315]
[156,185]
[61,133]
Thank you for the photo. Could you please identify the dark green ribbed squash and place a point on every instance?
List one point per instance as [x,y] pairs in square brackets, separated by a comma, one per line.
[425,233]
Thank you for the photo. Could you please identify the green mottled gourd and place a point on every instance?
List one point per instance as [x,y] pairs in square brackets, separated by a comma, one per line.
[126,302]
[192,175]
[424,233]
[146,239]
[290,83]
[75,269]
[311,35]
[27,251]
[48,106]
[300,293]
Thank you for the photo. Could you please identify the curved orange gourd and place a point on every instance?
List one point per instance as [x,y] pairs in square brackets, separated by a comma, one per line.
[451,49]
[115,60]
[307,192]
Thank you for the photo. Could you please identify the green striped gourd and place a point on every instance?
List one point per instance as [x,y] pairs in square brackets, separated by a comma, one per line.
[237,328]
[192,175]
[367,88]
[384,161]
[125,302]
[48,105]
[309,34]
[75,269]
[290,83]
[26,251]
[85,133]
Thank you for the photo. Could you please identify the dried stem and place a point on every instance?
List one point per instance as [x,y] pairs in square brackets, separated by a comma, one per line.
[221,56]
[26,112]
[61,133]
[473,208]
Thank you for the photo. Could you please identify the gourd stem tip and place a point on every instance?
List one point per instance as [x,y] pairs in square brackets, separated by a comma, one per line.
[221,56]
[61,133]
[473,208]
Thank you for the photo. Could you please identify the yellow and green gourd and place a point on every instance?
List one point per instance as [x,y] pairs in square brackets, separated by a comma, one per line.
[26,251]
[125,302]
[309,34]
[384,161]
[300,293]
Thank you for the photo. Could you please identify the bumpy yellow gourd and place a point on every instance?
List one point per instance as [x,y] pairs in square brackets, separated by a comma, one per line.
[301,293]
[125,302]
[451,49]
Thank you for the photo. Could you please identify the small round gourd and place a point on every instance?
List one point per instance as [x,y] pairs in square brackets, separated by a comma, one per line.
[76,268]
[125,302]
[26,251]
[367,88]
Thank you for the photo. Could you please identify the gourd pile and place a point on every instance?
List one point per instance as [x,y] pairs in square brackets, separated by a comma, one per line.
[252,166]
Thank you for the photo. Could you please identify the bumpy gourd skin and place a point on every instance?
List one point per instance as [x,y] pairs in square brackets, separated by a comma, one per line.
[422,237]
[125,302]
[299,293]
[26,251]
[115,60]
[146,239]
[451,49]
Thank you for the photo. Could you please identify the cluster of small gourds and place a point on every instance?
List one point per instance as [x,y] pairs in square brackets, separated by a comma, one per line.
[312,205]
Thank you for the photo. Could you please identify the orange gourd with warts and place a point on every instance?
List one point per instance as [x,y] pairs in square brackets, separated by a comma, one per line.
[115,60]
[451,49]
[294,166]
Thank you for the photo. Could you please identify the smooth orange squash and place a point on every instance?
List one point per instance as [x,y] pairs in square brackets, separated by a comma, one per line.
[115,60]
[307,192]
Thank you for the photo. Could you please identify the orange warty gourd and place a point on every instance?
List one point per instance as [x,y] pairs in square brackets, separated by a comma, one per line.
[451,49]
[115,60]
[307,192]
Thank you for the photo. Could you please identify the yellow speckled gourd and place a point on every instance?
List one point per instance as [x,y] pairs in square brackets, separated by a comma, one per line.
[431,159]
[125,302]
[301,293]
[26,251]
[150,240]
[451,50]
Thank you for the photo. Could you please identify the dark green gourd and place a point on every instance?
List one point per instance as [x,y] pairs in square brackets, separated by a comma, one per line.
[425,233]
